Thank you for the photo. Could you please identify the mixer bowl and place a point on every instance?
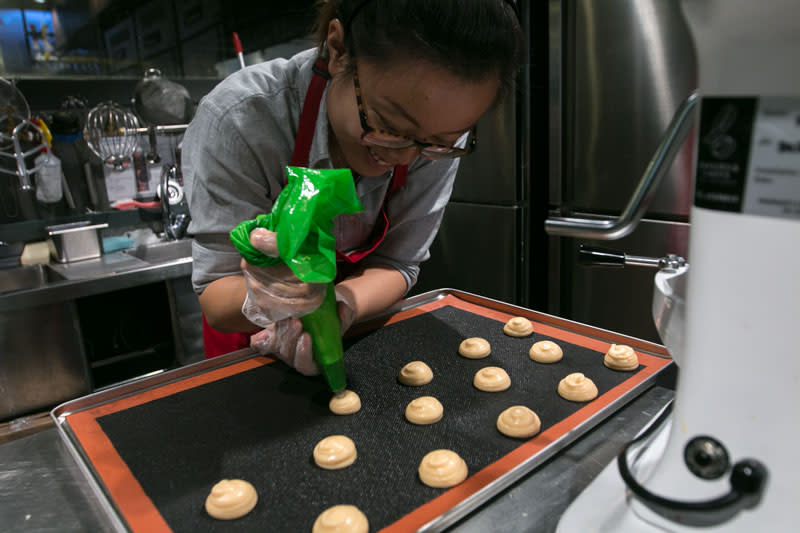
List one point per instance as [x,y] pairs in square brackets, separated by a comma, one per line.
[669,308]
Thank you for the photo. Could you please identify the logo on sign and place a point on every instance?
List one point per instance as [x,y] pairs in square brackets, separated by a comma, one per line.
[791,147]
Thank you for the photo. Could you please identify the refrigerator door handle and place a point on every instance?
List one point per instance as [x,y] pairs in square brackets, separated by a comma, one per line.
[671,143]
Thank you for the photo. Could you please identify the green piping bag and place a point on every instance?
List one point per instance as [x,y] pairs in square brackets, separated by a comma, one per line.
[302,216]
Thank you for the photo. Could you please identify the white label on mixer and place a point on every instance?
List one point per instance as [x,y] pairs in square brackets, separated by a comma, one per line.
[773,178]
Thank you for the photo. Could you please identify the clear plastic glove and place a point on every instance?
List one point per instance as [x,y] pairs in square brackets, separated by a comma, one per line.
[287,341]
[274,293]
[345,310]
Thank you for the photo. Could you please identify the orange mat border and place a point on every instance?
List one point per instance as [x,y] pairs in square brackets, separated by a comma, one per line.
[142,515]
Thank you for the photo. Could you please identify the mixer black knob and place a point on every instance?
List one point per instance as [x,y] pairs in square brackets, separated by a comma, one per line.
[706,457]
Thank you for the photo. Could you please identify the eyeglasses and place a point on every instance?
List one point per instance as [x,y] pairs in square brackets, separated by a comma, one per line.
[386,139]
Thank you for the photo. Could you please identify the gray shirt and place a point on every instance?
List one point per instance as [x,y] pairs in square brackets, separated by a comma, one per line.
[234,156]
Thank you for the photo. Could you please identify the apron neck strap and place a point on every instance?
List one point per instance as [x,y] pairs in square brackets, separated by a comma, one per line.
[308,116]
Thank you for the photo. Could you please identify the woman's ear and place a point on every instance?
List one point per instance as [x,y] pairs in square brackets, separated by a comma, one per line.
[337,55]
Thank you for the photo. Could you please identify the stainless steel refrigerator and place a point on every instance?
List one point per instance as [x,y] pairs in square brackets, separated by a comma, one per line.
[619,72]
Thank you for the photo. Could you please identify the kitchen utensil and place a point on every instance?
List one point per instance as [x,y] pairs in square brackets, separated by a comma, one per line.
[668,292]
[237,46]
[134,204]
[20,138]
[159,101]
[13,110]
[26,141]
[67,192]
[111,133]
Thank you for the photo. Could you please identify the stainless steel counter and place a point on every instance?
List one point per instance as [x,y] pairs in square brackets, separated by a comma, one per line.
[42,489]
[43,339]
[111,272]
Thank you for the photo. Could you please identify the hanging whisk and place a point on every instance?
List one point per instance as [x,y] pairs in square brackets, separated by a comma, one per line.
[13,110]
[111,133]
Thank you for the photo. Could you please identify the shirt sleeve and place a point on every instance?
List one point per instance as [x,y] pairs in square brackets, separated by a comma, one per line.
[415,213]
[230,173]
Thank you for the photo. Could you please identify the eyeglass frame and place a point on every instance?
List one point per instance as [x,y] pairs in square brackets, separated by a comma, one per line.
[472,139]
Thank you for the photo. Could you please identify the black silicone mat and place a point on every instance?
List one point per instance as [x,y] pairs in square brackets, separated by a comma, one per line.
[261,425]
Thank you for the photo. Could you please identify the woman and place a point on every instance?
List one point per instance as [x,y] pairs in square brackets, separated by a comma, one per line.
[393,92]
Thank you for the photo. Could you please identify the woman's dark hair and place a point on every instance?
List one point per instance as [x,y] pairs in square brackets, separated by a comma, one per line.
[473,39]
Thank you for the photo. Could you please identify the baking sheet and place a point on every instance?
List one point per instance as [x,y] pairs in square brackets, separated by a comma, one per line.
[197,430]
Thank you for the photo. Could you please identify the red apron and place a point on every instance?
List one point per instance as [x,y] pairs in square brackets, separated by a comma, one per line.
[217,343]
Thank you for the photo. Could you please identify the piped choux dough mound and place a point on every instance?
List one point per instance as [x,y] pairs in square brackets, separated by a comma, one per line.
[519,422]
[491,379]
[335,452]
[474,348]
[341,519]
[441,469]
[346,402]
[519,326]
[546,352]
[424,410]
[577,388]
[230,499]
[621,357]
[415,374]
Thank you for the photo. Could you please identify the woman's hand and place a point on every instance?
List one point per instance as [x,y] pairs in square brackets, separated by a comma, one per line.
[274,293]
[287,341]
[368,292]
[275,297]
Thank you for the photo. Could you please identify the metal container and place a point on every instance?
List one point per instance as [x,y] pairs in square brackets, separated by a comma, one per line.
[77,241]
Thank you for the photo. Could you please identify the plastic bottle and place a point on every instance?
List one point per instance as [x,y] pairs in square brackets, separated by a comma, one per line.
[48,178]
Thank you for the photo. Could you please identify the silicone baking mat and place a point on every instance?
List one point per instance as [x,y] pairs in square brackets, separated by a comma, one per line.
[158,452]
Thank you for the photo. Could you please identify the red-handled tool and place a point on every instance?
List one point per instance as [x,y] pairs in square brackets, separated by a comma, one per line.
[135,204]
[237,46]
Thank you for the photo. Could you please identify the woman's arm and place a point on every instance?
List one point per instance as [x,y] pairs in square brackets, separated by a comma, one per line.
[222,301]
[367,293]
[372,290]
